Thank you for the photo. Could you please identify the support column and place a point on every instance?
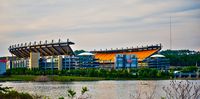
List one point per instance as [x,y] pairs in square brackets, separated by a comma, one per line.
[59,62]
[7,63]
[34,60]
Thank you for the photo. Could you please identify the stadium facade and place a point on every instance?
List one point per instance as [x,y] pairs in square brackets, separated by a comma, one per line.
[59,55]
[107,58]
[30,55]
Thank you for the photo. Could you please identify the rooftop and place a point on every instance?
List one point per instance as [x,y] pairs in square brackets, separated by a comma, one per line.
[45,49]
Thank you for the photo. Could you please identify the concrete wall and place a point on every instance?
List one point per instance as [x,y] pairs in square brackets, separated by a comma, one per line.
[59,62]
[34,60]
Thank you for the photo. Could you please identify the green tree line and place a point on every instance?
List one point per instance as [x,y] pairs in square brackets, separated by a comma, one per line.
[182,57]
[121,73]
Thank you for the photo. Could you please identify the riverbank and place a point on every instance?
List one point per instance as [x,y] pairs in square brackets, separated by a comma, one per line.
[73,78]
[64,78]
[90,74]
[47,78]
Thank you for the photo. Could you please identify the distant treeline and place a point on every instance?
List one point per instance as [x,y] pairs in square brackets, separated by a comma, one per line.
[134,73]
[182,57]
[122,73]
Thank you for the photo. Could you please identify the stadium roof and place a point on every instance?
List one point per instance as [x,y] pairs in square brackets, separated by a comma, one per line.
[85,54]
[157,55]
[108,56]
[136,49]
[45,49]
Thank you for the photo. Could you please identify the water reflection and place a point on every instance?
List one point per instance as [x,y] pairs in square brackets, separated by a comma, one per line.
[97,89]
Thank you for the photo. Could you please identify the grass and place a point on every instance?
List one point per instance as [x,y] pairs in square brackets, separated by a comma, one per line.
[51,78]
[15,95]
[57,78]
[72,78]
[18,78]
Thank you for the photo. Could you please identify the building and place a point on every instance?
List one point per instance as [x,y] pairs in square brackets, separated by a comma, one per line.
[42,55]
[123,61]
[58,62]
[87,60]
[158,61]
[60,56]
[3,66]
[107,57]
[50,56]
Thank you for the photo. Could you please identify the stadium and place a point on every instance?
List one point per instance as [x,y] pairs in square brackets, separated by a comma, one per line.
[59,55]
[141,52]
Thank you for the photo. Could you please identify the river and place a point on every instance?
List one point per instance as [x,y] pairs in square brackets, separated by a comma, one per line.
[97,89]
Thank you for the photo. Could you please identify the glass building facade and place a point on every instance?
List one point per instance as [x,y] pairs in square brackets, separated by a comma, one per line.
[158,61]
[87,60]
[125,61]
[59,62]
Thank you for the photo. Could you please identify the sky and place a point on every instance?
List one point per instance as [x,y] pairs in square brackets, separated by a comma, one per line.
[101,24]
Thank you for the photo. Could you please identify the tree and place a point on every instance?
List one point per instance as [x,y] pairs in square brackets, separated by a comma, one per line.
[182,57]
[182,90]
[189,69]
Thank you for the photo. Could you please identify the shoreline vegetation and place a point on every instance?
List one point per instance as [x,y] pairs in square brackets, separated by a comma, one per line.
[23,74]
[56,78]
[39,75]
[52,78]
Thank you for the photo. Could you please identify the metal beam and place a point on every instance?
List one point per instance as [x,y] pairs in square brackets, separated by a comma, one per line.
[56,50]
[65,53]
[28,52]
[34,49]
[42,50]
[23,52]
[15,53]
[49,50]
[20,54]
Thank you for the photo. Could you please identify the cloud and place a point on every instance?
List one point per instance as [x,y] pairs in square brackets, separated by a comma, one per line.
[101,24]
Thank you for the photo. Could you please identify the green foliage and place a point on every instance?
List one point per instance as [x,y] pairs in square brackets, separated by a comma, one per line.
[147,72]
[189,69]
[71,93]
[4,89]
[84,89]
[182,57]
[163,98]
[7,93]
[100,73]
[34,71]
[61,98]
[74,78]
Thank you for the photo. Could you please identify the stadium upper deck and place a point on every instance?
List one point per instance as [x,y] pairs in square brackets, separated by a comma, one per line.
[45,49]
[108,56]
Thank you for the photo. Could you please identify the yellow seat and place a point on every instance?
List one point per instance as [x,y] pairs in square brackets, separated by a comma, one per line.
[141,55]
